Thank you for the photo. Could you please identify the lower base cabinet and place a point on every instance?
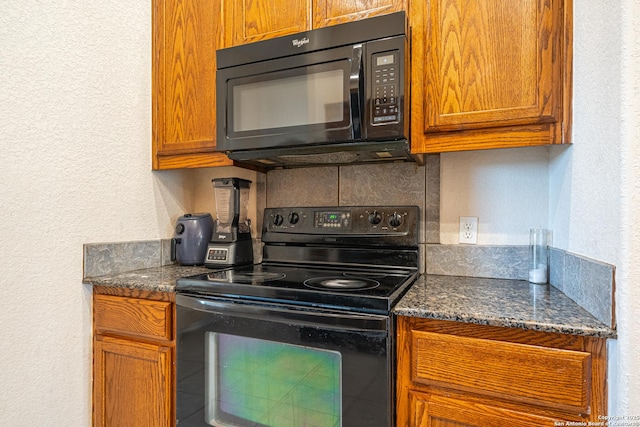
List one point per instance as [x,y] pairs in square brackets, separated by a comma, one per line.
[133,366]
[454,374]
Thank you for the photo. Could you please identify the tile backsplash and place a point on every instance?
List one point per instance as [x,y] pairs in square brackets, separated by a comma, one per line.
[355,185]
[112,258]
[588,282]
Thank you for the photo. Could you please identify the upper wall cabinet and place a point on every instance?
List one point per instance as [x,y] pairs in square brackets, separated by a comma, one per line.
[248,21]
[490,74]
[332,12]
[186,34]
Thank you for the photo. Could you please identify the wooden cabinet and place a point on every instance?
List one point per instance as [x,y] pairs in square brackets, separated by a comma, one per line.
[326,13]
[472,375]
[250,21]
[133,365]
[490,74]
[186,34]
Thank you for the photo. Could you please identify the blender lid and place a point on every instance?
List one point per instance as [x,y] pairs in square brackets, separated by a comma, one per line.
[231,182]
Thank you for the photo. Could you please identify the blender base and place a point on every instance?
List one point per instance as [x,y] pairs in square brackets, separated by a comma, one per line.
[229,254]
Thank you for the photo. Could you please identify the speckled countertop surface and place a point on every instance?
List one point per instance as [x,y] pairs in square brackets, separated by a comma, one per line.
[161,279]
[499,302]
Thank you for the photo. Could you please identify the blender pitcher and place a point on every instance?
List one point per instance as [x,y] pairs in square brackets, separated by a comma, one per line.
[231,240]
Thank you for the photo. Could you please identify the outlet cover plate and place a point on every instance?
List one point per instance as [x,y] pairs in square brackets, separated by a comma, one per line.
[469,230]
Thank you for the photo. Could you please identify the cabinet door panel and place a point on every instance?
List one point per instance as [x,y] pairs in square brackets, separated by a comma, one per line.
[186,34]
[531,374]
[132,385]
[133,317]
[439,411]
[490,63]
[248,21]
[332,12]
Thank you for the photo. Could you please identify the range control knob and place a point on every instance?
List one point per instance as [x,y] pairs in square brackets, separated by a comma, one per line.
[375,218]
[293,218]
[278,220]
[395,219]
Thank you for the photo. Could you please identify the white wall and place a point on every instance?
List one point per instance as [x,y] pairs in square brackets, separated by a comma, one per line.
[508,190]
[75,141]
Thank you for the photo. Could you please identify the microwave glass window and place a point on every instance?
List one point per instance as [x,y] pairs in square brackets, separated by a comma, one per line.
[307,99]
[255,382]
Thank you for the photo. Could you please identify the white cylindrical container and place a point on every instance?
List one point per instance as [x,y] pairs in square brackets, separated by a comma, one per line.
[538,255]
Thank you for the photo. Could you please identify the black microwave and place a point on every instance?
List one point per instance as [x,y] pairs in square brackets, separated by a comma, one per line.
[333,95]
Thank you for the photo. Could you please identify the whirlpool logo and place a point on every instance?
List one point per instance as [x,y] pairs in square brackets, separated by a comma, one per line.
[301,42]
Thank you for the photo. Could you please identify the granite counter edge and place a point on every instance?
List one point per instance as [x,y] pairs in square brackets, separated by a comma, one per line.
[597,332]
[160,279]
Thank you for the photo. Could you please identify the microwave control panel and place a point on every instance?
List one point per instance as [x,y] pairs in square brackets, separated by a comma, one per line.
[385,104]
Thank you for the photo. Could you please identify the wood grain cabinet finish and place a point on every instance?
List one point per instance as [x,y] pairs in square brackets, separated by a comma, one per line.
[133,359]
[186,34]
[471,375]
[332,12]
[248,21]
[490,74]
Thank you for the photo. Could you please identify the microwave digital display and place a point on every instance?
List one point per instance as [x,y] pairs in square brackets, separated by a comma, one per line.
[385,60]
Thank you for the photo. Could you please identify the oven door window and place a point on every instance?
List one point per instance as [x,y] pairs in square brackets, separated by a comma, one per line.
[251,380]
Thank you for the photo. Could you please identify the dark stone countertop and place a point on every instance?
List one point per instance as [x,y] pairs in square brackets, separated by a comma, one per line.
[161,279]
[496,302]
[499,302]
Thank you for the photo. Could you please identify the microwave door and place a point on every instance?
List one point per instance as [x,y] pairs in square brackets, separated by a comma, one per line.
[308,99]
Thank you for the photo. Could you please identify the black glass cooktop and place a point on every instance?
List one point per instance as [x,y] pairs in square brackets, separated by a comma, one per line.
[362,289]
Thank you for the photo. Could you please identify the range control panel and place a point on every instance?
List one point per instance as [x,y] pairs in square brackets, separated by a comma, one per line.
[342,220]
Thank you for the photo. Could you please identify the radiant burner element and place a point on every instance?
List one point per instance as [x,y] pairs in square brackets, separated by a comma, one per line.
[231,276]
[341,283]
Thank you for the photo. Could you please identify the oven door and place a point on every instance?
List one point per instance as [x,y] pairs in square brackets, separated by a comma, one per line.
[270,365]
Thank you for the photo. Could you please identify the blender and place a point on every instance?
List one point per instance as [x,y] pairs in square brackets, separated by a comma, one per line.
[231,238]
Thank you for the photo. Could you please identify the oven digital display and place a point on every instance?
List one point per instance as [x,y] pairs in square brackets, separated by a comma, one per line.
[332,219]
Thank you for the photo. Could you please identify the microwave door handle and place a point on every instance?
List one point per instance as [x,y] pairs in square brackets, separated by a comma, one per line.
[356,90]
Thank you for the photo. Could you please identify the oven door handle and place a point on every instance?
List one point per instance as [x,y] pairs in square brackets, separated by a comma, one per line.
[328,319]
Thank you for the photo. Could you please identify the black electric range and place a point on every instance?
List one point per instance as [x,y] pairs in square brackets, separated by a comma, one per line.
[350,258]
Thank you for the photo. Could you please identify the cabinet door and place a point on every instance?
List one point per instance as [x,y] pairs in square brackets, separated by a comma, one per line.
[438,411]
[132,383]
[487,73]
[248,21]
[186,34]
[333,12]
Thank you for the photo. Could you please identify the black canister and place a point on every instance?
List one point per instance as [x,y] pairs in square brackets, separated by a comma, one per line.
[192,235]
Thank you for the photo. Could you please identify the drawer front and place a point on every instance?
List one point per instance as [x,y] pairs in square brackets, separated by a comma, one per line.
[132,317]
[531,374]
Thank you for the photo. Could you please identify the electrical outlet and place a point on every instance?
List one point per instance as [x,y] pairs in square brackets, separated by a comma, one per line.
[469,230]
